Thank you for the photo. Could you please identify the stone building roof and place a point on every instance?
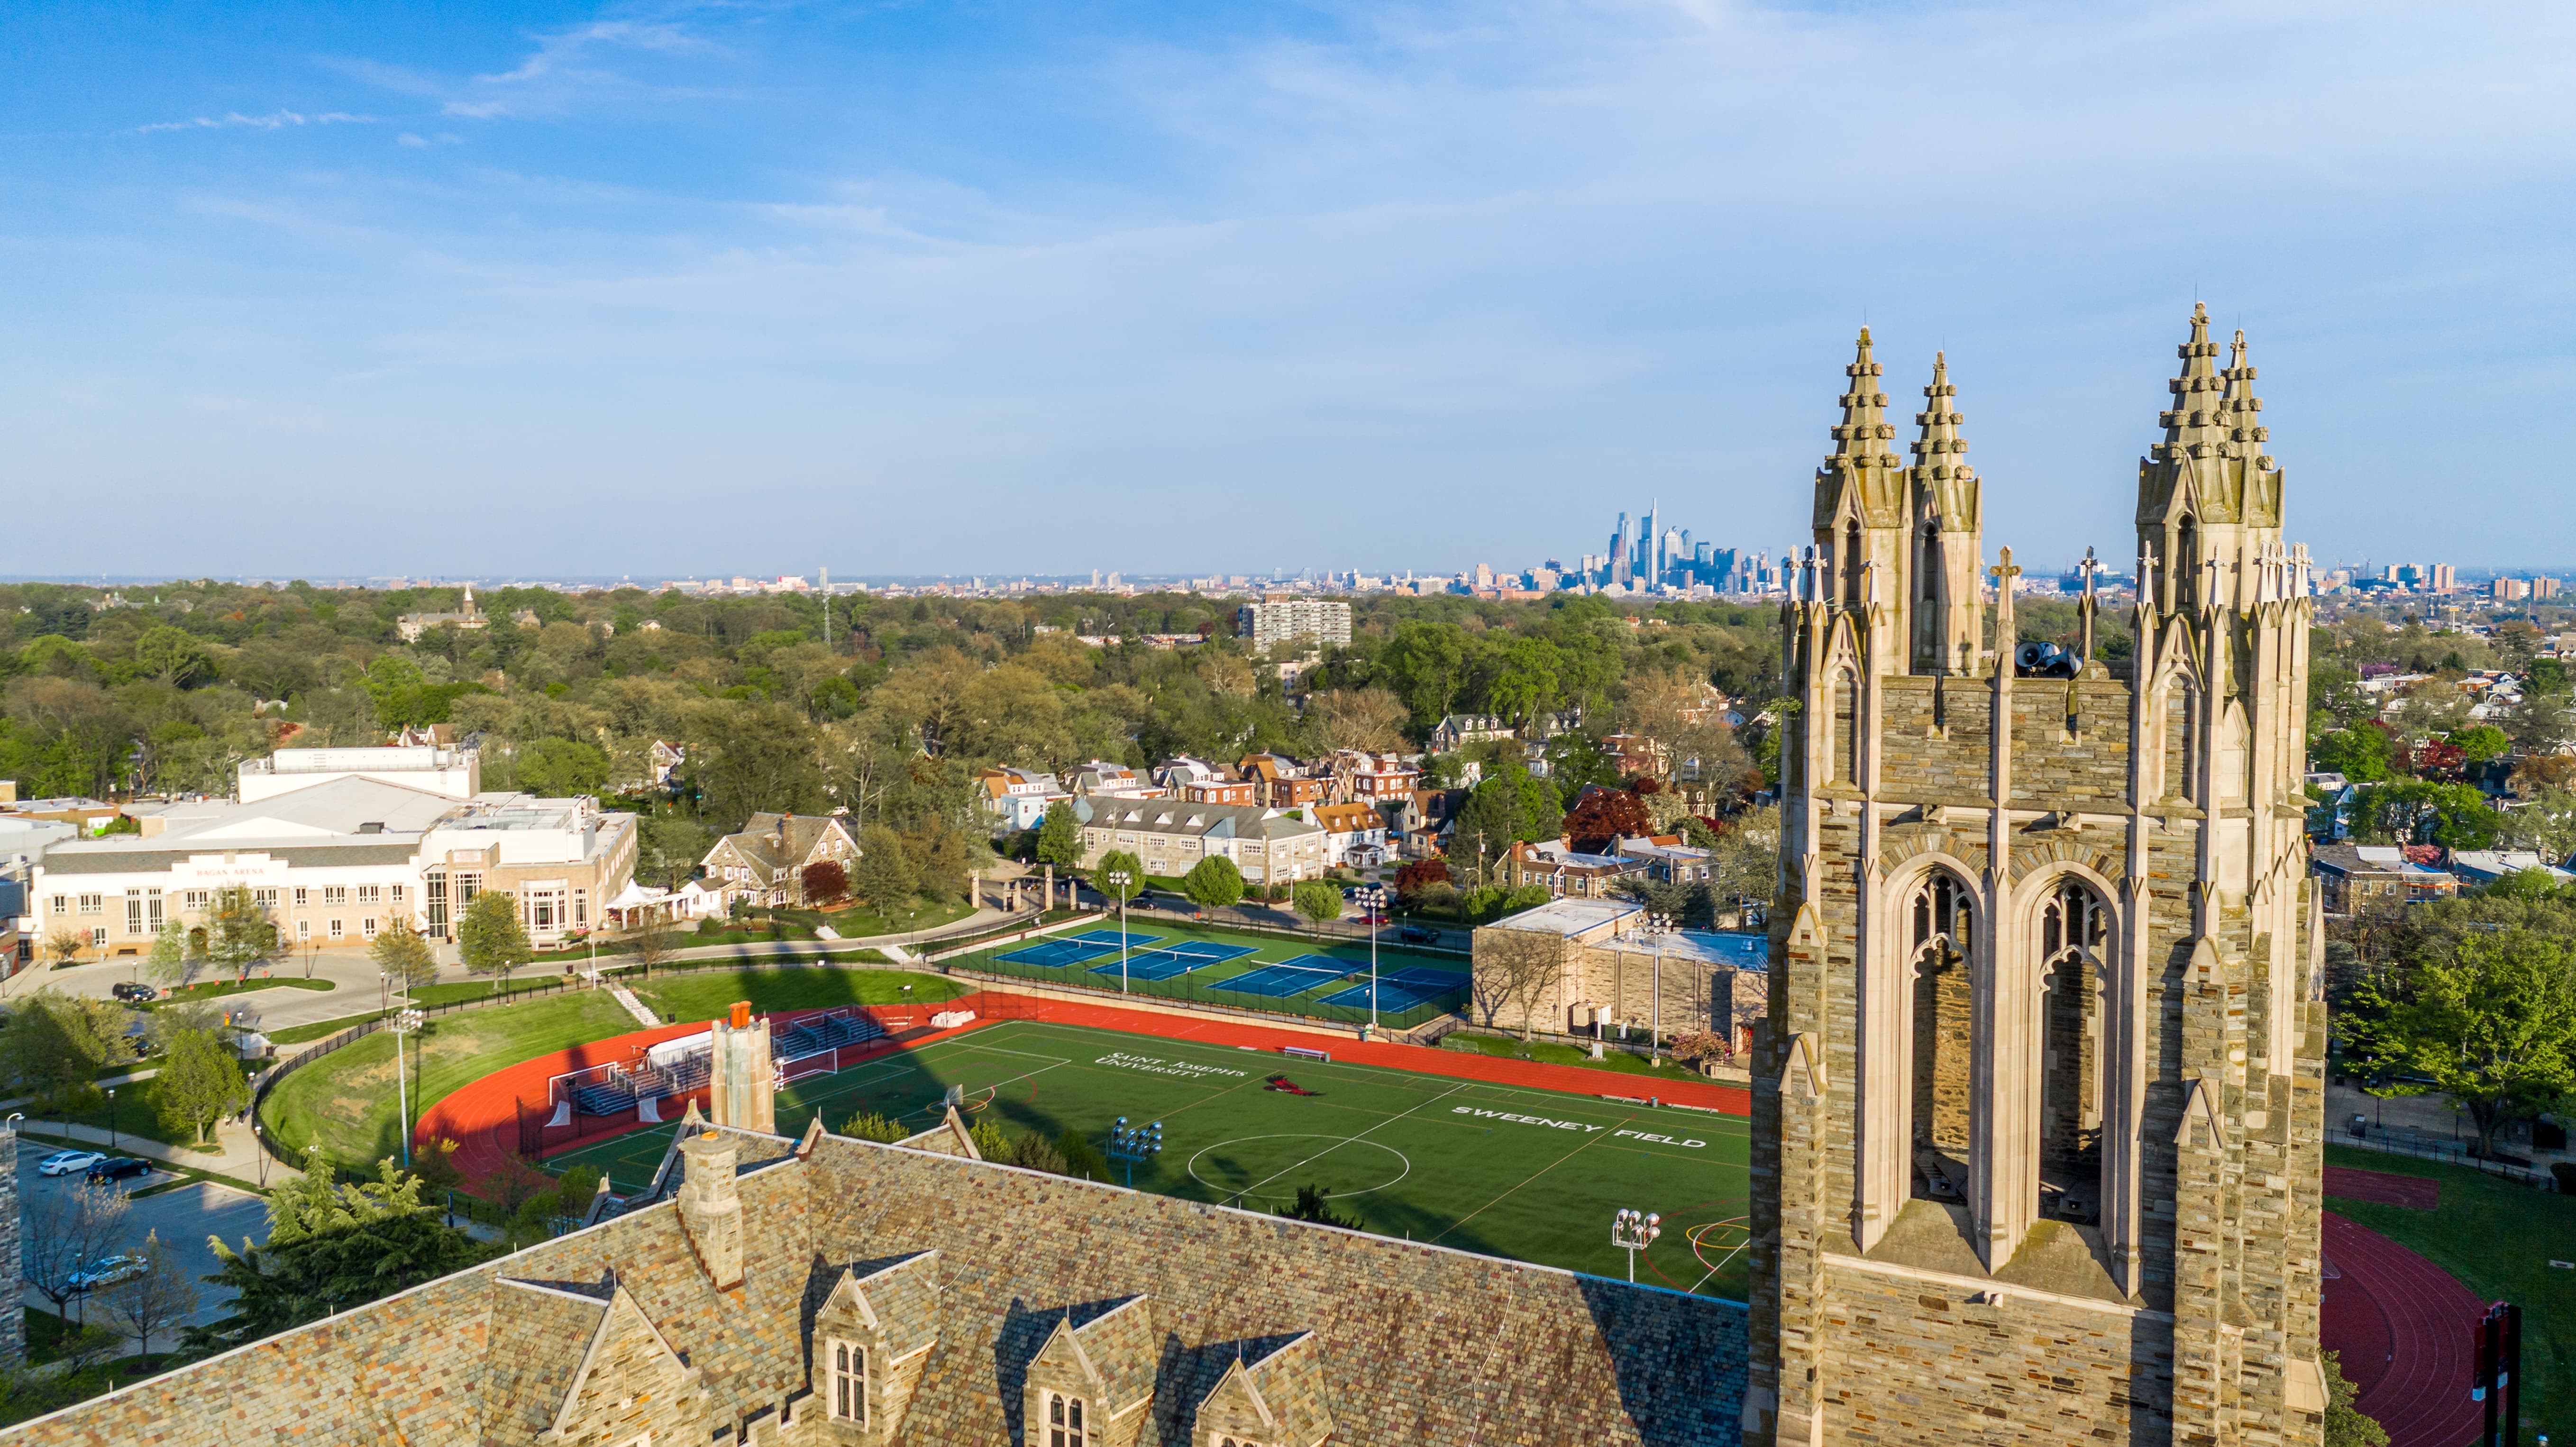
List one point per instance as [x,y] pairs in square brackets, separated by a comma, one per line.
[774,842]
[617,1330]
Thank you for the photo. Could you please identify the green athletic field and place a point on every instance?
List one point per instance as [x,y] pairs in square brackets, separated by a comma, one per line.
[1531,1174]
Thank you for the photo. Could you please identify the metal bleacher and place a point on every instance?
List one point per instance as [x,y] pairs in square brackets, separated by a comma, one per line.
[603,1097]
[827,1032]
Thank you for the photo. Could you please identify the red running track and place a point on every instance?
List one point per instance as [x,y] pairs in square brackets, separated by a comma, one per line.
[2402,1325]
[2383,1188]
[483,1117]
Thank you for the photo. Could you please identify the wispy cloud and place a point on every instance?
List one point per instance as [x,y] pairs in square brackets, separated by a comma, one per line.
[273,121]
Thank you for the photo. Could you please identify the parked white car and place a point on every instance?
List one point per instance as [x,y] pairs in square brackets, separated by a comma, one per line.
[106,1271]
[64,1163]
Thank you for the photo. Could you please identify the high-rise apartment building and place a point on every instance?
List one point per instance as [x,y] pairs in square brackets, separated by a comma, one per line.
[1282,619]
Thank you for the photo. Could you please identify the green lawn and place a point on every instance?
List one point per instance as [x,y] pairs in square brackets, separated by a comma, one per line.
[707,994]
[318,1030]
[1207,983]
[2498,1238]
[1530,1174]
[1617,1062]
[210,989]
[348,1100]
[860,922]
[136,1112]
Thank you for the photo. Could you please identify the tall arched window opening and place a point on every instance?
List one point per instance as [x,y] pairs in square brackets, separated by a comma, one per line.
[1928,642]
[1846,740]
[2186,566]
[1944,936]
[1851,565]
[2074,934]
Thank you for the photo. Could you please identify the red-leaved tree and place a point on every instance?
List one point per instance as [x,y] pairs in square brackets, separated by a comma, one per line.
[826,882]
[1420,875]
[1604,815]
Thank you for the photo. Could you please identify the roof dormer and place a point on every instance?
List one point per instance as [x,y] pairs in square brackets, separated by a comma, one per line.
[871,1339]
[1092,1385]
[1271,1395]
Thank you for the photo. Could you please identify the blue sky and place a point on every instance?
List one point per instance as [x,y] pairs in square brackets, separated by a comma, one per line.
[544,290]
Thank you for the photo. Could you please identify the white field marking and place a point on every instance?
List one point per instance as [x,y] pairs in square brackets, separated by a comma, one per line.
[1339,1141]
[1588,1142]
[1346,1140]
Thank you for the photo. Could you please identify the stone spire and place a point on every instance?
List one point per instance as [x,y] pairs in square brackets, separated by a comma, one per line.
[2241,410]
[2198,420]
[1938,447]
[1864,435]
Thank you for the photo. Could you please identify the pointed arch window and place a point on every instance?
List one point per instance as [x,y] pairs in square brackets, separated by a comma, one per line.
[1064,1420]
[1944,940]
[1846,739]
[2185,565]
[1852,564]
[2074,943]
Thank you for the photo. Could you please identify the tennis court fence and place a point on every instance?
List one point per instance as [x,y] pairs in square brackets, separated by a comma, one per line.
[1329,988]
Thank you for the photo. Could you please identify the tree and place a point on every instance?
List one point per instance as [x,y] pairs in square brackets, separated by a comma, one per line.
[1310,1207]
[402,952]
[161,1295]
[200,1082]
[875,1127]
[1318,901]
[239,934]
[168,963]
[2346,1426]
[2480,744]
[1114,866]
[883,879]
[2423,811]
[173,656]
[2487,1018]
[653,944]
[331,1247]
[1602,817]
[65,942]
[54,1046]
[1369,720]
[1213,882]
[673,847]
[65,1230]
[1418,875]
[2359,754]
[1060,837]
[490,937]
[1512,970]
[561,768]
[1744,868]
[825,882]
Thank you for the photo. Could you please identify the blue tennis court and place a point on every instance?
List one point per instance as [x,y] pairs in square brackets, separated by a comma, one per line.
[1109,937]
[1210,951]
[1055,954]
[1428,978]
[1283,980]
[1396,994]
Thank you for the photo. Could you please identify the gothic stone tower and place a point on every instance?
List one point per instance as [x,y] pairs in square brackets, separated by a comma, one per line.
[2039,1107]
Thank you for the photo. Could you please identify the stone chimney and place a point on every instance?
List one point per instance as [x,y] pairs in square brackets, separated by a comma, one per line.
[710,1208]
[741,1090]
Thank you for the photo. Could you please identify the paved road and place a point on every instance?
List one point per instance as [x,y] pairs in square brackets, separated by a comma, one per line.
[184,1218]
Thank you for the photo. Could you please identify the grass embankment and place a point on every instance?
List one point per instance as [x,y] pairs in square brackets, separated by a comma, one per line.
[706,994]
[2498,1238]
[136,1111]
[348,1101]
[211,989]
[1550,1052]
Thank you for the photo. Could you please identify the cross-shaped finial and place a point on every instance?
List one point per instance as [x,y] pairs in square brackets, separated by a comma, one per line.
[2004,572]
[2090,566]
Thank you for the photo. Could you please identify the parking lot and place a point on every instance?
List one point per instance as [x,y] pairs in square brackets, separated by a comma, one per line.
[184,1218]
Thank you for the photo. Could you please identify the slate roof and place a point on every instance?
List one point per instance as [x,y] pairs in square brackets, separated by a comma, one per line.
[760,842]
[1412,1343]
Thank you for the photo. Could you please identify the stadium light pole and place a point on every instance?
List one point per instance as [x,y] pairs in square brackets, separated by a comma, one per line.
[1118,880]
[1659,923]
[1373,899]
[404,1024]
[1130,1145]
[1632,1232]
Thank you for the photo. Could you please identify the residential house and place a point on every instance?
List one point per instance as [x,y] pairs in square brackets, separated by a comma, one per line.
[764,864]
[1285,783]
[1113,781]
[2477,867]
[1668,860]
[1355,835]
[1176,774]
[1567,871]
[1223,791]
[1173,835]
[2357,877]
[1013,799]
[1376,778]
[1638,756]
[1461,729]
[1418,820]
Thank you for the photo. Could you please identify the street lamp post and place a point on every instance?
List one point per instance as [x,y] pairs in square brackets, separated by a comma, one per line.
[1134,1145]
[404,1024]
[1373,900]
[111,1117]
[1118,880]
[1632,1232]
[259,1143]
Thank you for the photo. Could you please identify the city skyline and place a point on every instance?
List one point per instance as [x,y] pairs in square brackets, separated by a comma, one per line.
[390,292]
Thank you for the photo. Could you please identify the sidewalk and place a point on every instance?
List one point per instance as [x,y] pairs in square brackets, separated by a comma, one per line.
[239,1160]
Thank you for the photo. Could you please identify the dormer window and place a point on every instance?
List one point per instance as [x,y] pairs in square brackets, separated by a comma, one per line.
[1064,1420]
[849,1382]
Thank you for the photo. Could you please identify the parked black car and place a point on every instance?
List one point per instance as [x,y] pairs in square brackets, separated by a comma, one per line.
[128,990]
[118,1168]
